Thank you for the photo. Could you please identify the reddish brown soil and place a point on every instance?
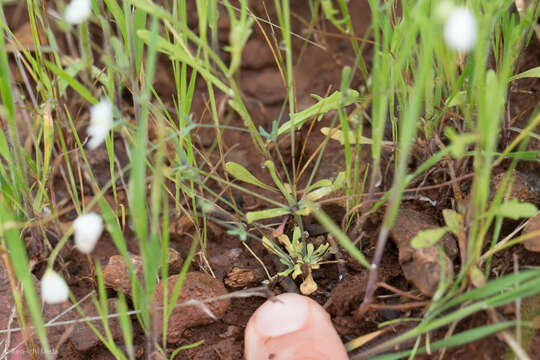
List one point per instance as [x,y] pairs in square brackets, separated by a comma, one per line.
[318,72]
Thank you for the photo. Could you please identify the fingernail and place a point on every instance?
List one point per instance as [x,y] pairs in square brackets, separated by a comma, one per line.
[281,315]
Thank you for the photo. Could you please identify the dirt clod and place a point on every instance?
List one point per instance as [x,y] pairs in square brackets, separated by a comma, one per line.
[174,261]
[196,286]
[533,244]
[421,266]
[116,273]
[347,293]
[239,278]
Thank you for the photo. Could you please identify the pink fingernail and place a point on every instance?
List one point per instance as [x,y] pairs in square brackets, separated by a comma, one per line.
[281,315]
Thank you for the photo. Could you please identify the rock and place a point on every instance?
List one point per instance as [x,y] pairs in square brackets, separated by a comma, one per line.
[181,225]
[421,266]
[240,278]
[83,337]
[116,273]
[196,286]
[525,187]
[236,332]
[533,244]
[174,261]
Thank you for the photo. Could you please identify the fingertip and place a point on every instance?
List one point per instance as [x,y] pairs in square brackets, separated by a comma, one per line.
[291,326]
[283,314]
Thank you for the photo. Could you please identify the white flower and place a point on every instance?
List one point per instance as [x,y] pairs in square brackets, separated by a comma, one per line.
[101,118]
[46,211]
[460,30]
[78,11]
[88,229]
[54,289]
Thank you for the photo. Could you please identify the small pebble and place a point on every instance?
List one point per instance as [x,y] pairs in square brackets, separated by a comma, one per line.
[196,286]
[116,273]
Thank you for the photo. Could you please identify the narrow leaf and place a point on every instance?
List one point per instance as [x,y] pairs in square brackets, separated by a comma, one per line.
[531,73]
[337,135]
[243,174]
[332,102]
[74,83]
[265,214]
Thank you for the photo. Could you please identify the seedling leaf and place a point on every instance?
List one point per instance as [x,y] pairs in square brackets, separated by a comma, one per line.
[337,135]
[459,99]
[453,220]
[531,73]
[513,209]
[265,214]
[319,193]
[242,174]
[428,238]
[323,106]
[459,142]
[318,184]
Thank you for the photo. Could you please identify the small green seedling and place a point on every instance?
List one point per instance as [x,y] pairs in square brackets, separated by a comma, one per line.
[299,259]
[313,193]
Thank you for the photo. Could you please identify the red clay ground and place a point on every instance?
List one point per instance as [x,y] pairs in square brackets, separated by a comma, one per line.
[319,72]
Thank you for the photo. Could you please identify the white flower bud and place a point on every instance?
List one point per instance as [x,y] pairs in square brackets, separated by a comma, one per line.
[88,229]
[78,11]
[460,30]
[54,289]
[101,118]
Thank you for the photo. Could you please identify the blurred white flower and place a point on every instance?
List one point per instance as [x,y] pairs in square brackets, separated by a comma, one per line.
[54,289]
[460,30]
[88,229]
[78,11]
[101,119]
[46,211]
